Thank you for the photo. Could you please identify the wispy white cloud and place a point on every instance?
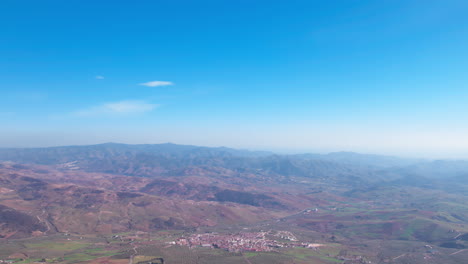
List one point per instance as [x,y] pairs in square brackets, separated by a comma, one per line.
[117,109]
[99,77]
[157,83]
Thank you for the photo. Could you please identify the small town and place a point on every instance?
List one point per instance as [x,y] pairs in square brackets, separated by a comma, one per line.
[245,241]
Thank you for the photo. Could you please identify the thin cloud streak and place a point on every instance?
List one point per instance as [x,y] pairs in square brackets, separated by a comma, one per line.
[157,83]
[120,108]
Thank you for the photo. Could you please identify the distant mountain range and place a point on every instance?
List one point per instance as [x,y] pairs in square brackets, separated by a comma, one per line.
[179,160]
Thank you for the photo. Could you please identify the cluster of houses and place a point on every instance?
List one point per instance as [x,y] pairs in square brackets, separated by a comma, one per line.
[246,241]
[286,235]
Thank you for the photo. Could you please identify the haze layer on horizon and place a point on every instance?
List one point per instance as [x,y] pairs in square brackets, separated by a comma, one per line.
[367,76]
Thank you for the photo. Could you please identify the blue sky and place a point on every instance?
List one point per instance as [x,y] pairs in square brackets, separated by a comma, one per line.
[387,76]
